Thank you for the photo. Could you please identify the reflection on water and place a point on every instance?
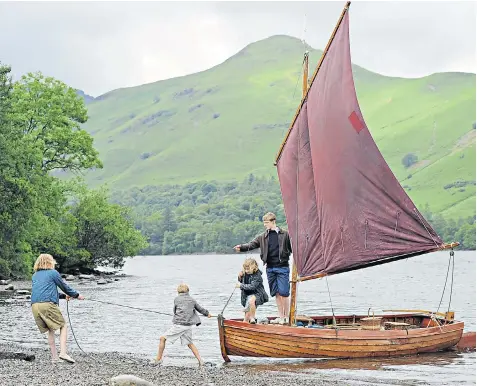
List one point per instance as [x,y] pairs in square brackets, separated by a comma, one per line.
[415,283]
[445,368]
[434,359]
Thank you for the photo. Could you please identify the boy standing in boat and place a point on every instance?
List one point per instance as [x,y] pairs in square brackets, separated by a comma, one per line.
[275,249]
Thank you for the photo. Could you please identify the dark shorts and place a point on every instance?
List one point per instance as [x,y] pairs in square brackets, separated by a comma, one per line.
[279,281]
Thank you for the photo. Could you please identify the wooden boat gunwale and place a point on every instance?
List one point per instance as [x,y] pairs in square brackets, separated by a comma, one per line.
[279,339]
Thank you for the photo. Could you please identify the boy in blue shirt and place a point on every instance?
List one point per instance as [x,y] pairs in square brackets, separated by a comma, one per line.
[44,303]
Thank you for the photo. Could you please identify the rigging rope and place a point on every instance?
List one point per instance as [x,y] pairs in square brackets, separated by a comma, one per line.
[447,276]
[424,225]
[452,280]
[297,79]
[329,294]
[451,257]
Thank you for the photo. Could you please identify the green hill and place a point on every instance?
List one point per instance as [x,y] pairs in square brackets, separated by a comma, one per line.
[227,122]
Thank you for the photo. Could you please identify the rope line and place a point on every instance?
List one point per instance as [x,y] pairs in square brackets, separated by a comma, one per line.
[452,280]
[445,284]
[226,304]
[134,308]
[71,326]
[329,294]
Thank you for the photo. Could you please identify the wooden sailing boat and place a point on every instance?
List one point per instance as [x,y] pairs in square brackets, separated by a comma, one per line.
[345,210]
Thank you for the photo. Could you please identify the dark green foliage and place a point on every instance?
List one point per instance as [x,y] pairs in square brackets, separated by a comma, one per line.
[409,159]
[39,132]
[207,217]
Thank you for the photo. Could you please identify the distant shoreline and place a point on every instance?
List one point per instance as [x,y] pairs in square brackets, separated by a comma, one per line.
[250,253]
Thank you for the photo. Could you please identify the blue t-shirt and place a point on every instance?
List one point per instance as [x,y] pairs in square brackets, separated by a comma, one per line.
[43,287]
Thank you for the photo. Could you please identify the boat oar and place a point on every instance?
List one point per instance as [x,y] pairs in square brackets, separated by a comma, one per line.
[418,312]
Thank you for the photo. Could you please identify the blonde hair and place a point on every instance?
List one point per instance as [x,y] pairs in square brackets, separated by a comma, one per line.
[269,217]
[183,288]
[250,263]
[44,261]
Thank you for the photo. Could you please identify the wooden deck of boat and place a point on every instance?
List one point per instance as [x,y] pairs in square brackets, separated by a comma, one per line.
[278,341]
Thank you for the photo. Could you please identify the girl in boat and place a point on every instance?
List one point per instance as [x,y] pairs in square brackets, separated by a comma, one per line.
[275,250]
[253,291]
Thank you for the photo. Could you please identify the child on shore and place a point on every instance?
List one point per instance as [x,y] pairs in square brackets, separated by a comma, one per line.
[185,317]
[253,291]
[44,303]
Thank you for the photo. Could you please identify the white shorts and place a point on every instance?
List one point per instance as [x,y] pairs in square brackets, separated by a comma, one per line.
[178,331]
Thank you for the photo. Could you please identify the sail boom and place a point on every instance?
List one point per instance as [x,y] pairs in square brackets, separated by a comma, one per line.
[379,262]
[280,150]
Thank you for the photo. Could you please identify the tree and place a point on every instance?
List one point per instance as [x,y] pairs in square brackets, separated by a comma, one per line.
[153,228]
[105,231]
[168,243]
[53,226]
[40,131]
[466,236]
[50,114]
[16,191]
[409,159]
[168,222]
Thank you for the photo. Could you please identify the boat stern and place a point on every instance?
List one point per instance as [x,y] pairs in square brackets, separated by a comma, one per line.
[223,350]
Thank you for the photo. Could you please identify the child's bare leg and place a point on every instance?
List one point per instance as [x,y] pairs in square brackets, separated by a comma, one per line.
[278,299]
[195,351]
[51,342]
[162,345]
[63,336]
[286,306]
[253,307]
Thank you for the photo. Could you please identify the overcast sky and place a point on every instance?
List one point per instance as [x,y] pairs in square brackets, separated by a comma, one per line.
[100,46]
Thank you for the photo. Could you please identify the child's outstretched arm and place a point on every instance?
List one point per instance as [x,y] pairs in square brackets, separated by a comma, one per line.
[254,244]
[63,286]
[202,310]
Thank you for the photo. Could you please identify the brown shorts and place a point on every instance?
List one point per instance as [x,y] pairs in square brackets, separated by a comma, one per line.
[47,316]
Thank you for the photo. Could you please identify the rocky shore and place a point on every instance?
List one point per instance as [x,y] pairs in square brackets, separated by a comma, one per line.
[119,369]
[20,291]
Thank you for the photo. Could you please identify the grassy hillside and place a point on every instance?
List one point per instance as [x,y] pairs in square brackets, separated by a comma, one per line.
[227,122]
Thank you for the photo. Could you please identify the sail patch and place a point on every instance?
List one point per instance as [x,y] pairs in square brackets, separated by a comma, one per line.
[356,122]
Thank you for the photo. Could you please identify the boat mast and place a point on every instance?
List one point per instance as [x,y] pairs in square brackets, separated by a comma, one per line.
[294,279]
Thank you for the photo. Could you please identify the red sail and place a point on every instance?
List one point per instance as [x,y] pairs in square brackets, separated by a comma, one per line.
[350,209]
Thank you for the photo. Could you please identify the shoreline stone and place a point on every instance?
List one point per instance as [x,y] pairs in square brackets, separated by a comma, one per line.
[17,355]
[129,380]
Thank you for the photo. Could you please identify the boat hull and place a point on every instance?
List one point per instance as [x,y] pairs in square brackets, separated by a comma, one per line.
[238,338]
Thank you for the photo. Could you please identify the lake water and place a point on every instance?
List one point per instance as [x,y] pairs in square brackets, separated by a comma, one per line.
[416,283]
